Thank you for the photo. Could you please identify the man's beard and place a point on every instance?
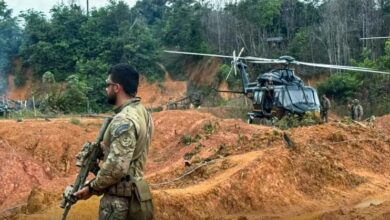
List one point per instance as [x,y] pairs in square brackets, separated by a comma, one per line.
[111,99]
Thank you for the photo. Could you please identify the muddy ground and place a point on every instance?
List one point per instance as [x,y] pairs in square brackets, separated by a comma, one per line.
[235,170]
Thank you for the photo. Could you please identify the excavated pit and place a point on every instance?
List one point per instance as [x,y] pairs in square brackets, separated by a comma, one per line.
[234,170]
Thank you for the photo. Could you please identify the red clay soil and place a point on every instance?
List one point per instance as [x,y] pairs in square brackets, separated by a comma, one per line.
[21,93]
[205,72]
[383,123]
[153,94]
[159,93]
[38,152]
[235,170]
[225,95]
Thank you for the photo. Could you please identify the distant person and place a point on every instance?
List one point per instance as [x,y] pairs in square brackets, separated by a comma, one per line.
[356,110]
[125,146]
[325,106]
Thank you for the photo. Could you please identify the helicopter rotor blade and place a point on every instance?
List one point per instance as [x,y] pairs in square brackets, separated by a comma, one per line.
[230,71]
[269,62]
[213,55]
[239,54]
[235,61]
[329,66]
[233,65]
[261,59]
[197,54]
[374,38]
[235,68]
[276,61]
[351,68]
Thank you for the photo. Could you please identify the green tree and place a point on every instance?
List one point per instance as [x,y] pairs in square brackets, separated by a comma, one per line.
[53,45]
[49,94]
[9,41]
[261,12]
[182,26]
[341,86]
[48,78]
[94,73]
[152,11]
[75,96]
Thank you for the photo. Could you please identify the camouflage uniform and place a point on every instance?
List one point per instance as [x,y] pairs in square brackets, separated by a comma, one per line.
[356,110]
[325,106]
[125,144]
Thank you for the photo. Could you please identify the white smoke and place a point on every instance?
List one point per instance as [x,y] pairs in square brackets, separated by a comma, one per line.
[2,84]
[3,78]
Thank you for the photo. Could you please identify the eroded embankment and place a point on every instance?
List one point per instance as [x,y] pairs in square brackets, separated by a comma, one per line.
[38,153]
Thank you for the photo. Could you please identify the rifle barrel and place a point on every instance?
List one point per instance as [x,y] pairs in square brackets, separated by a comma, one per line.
[66,211]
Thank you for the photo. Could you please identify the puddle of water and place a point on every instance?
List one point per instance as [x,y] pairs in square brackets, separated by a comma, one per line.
[368,203]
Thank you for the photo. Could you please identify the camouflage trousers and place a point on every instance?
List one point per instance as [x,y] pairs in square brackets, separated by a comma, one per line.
[324,115]
[124,208]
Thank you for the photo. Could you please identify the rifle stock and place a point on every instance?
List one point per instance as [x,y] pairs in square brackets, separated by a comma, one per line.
[87,160]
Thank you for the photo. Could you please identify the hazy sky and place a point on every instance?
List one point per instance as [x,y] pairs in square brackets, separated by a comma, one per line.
[46,5]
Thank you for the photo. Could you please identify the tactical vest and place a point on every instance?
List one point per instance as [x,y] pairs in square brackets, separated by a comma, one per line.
[144,130]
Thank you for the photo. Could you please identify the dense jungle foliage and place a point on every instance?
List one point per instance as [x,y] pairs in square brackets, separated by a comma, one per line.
[71,50]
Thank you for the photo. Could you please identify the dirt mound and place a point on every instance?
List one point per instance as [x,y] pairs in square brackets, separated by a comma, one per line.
[40,199]
[383,123]
[261,173]
[234,170]
[159,93]
[225,95]
[38,152]
[371,210]
[205,72]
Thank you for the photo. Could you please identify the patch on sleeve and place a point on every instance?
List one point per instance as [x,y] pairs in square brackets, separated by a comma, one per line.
[126,140]
[120,129]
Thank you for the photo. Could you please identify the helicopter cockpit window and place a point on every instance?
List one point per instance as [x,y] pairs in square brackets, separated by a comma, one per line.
[286,100]
[302,95]
[311,97]
[297,95]
[278,98]
[258,96]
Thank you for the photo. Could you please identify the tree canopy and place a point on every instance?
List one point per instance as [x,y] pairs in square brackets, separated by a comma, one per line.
[73,45]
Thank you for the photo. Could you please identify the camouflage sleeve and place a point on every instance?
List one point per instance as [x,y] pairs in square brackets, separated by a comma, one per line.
[116,165]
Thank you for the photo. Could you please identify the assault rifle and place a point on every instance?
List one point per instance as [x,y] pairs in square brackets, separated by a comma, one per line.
[88,161]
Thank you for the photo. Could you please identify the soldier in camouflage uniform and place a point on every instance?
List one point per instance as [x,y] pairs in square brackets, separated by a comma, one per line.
[356,110]
[125,146]
[325,106]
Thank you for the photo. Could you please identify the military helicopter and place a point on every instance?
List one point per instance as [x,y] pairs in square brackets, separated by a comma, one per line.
[278,92]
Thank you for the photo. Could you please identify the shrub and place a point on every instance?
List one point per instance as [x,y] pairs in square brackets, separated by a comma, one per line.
[75,121]
[341,86]
[187,139]
[293,121]
[208,127]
